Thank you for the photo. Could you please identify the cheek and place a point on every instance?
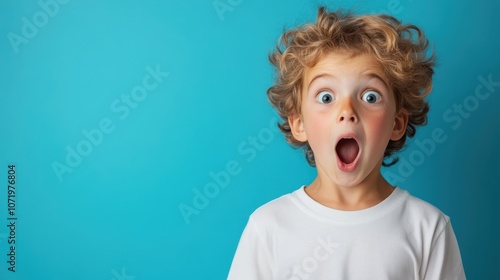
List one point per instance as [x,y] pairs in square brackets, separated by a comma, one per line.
[317,131]
[380,127]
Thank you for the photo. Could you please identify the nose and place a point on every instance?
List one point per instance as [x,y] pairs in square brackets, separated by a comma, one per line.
[347,111]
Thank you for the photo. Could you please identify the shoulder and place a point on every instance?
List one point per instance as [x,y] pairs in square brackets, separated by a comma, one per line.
[424,214]
[277,211]
[275,207]
[431,231]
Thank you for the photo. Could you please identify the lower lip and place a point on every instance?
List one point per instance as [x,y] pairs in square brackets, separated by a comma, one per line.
[348,167]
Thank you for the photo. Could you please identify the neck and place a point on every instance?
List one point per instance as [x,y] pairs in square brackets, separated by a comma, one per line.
[371,191]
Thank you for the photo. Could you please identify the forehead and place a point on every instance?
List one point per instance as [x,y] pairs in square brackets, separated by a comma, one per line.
[345,66]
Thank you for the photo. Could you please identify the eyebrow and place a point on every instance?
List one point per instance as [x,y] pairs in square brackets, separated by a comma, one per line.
[377,76]
[320,76]
[368,74]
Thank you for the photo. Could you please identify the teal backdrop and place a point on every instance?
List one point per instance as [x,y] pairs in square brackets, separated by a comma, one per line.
[142,139]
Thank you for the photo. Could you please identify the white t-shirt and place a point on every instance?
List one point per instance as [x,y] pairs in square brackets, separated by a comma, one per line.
[295,237]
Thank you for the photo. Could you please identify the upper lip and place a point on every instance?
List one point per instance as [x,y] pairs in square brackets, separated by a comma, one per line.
[349,135]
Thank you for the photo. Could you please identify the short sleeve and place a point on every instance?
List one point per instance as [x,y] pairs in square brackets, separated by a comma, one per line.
[445,262]
[252,259]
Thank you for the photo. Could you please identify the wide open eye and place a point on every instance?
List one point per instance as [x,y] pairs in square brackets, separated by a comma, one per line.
[325,97]
[371,97]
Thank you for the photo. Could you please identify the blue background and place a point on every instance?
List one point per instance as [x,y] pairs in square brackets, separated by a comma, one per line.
[116,215]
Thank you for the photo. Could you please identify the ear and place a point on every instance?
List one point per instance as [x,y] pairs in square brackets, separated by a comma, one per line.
[400,123]
[297,127]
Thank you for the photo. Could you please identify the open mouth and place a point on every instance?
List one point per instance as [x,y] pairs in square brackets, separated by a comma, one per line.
[347,150]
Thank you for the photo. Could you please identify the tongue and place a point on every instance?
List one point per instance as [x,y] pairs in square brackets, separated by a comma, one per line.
[347,149]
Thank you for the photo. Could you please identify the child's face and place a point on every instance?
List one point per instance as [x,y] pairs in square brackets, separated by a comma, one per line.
[347,97]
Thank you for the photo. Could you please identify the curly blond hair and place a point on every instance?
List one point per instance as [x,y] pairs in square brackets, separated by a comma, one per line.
[400,49]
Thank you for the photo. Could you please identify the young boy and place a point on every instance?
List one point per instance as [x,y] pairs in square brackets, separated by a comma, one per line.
[349,89]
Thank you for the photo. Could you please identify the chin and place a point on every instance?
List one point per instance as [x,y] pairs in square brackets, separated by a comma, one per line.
[352,178]
[347,180]
[349,183]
